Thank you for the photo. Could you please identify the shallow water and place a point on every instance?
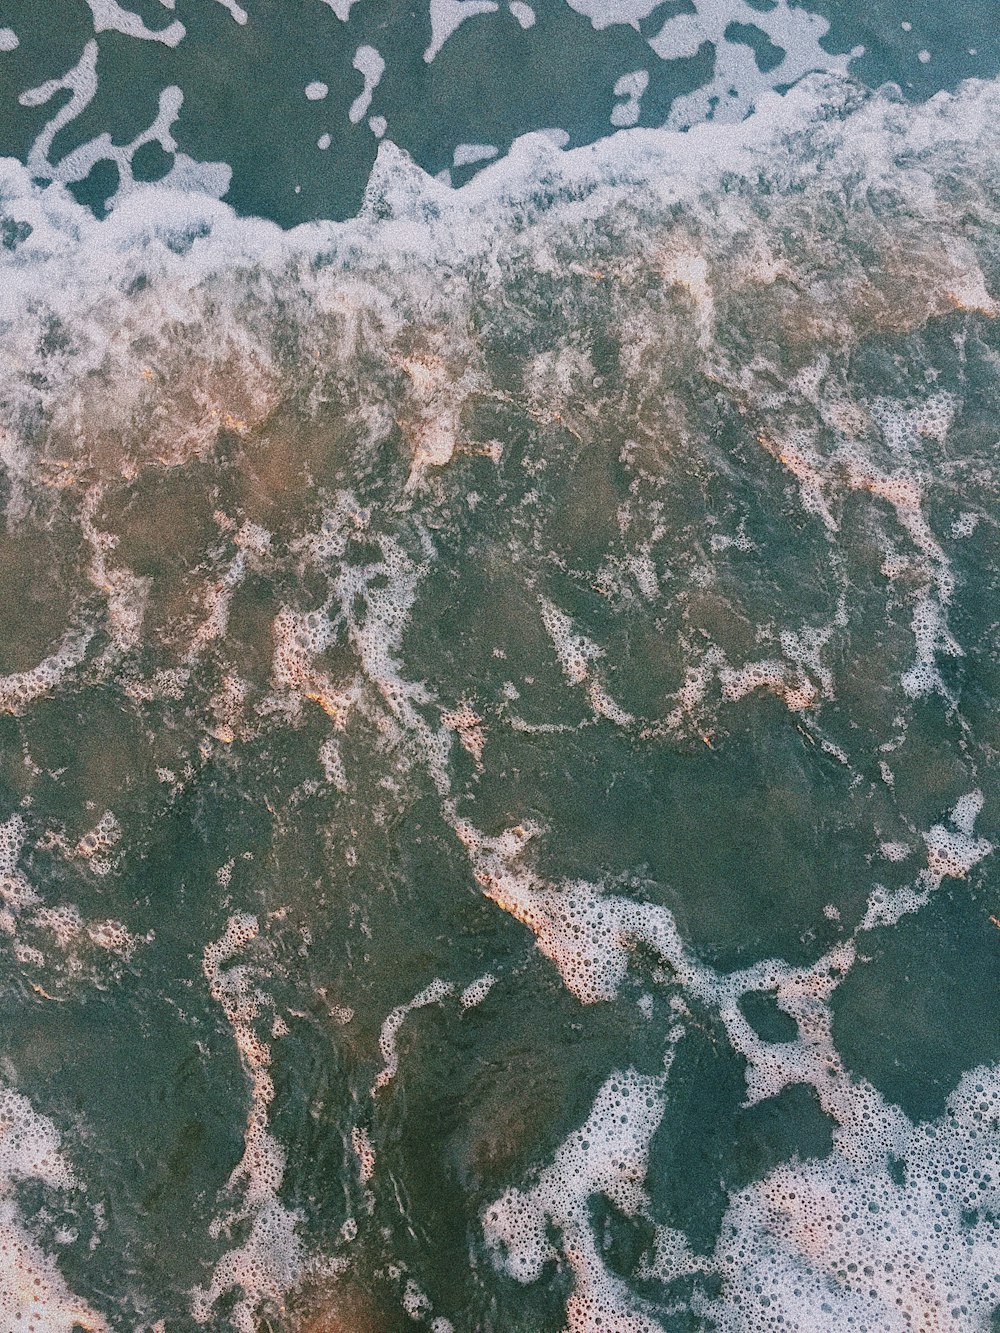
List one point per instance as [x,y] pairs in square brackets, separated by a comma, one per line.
[498,691]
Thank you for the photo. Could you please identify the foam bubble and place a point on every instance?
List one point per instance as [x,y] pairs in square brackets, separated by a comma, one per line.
[270,1258]
[951,854]
[364,1152]
[468,153]
[606,1156]
[34,1296]
[738,80]
[15,890]
[447,16]
[905,1242]
[236,11]
[467,724]
[817,1245]
[370,65]
[21,688]
[477,991]
[630,87]
[109,16]
[431,994]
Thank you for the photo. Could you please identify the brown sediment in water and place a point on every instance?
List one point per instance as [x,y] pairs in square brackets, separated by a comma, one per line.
[344,1305]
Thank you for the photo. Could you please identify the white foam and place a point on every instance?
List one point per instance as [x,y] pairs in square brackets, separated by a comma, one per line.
[575,653]
[364,1152]
[237,12]
[813,1244]
[630,87]
[8,40]
[316,90]
[211,178]
[22,688]
[604,13]
[370,65]
[447,16]
[270,1258]
[14,887]
[415,1302]
[299,638]
[476,991]
[431,994]
[606,1156]
[524,14]
[375,602]
[965,525]
[664,166]
[951,854]
[108,16]
[824,1245]
[34,1297]
[217,597]
[468,726]
[98,842]
[467,153]
[342,8]
[737,81]
[333,763]
[591,934]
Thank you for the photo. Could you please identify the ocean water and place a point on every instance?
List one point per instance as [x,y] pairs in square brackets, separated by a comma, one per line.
[499,666]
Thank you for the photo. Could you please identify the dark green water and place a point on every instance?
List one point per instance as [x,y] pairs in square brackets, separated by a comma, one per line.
[498,730]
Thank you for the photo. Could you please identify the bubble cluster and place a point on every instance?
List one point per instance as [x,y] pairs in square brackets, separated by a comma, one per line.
[607,1156]
[476,991]
[298,639]
[271,1257]
[832,1236]
[34,1296]
[951,854]
[21,688]
[797,692]
[15,890]
[101,839]
[431,994]
[574,651]
[76,937]
[364,1152]
[907,1242]
[468,726]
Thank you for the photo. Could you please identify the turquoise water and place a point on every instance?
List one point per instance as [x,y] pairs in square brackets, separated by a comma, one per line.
[498,668]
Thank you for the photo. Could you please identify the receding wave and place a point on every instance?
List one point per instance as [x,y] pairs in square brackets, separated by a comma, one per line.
[552,617]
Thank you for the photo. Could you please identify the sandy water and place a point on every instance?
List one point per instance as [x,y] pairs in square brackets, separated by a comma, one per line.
[498,692]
